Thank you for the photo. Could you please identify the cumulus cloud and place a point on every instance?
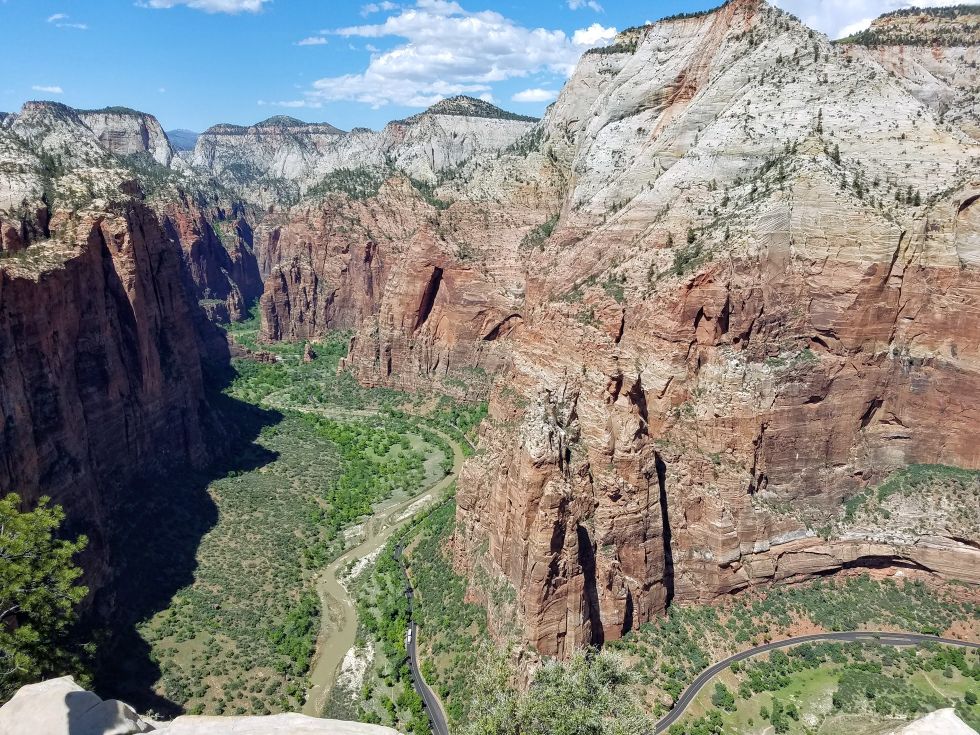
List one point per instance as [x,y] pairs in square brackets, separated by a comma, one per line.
[535,94]
[446,51]
[211,6]
[594,35]
[838,18]
[591,4]
[48,88]
[312,41]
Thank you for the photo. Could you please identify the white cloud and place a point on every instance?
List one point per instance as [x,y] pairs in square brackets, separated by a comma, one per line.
[591,4]
[448,51]
[312,41]
[594,35]
[535,95]
[372,8]
[211,6]
[48,88]
[838,18]
[61,21]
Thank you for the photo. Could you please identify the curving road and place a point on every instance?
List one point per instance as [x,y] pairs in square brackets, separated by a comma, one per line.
[433,707]
[892,639]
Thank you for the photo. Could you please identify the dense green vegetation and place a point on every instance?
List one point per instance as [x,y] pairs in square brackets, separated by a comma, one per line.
[357,183]
[815,687]
[451,629]
[237,636]
[670,652]
[38,594]
[588,695]
[288,382]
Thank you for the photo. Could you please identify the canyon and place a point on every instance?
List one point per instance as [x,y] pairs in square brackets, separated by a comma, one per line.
[729,282]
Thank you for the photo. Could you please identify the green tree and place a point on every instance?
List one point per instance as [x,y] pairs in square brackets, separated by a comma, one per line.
[588,695]
[38,593]
[723,698]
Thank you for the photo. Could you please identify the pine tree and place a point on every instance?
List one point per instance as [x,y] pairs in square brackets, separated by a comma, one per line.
[38,593]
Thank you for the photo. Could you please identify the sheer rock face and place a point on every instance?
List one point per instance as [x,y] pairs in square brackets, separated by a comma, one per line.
[100,368]
[101,335]
[218,246]
[434,294]
[732,329]
[453,299]
[127,132]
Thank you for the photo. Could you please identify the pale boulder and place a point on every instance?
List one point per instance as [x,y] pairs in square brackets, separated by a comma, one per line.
[61,707]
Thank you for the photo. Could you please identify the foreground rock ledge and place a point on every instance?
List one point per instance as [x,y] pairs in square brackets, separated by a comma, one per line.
[61,707]
[940,722]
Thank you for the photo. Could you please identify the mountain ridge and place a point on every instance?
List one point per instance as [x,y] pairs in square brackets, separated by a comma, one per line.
[728,284]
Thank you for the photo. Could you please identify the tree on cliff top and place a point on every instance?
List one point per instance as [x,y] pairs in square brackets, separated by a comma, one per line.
[38,593]
[588,695]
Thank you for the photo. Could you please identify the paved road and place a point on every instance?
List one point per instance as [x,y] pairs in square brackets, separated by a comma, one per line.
[433,706]
[893,639]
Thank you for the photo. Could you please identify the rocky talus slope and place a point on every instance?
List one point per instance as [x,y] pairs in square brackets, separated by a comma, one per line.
[761,296]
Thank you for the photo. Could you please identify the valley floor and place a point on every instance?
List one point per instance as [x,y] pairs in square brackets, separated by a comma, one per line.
[294,598]
[333,467]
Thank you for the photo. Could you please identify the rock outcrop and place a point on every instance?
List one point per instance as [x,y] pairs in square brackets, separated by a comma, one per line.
[743,317]
[102,337]
[61,707]
[125,132]
[934,53]
[281,158]
[100,364]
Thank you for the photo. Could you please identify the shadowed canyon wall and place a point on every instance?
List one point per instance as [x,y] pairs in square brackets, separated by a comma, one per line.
[731,280]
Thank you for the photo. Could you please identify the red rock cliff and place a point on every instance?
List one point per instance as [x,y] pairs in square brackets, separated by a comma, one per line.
[100,368]
[745,316]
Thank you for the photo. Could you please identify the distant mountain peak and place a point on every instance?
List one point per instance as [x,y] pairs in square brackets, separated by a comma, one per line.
[285,121]
[465,106]
[280,121]
[276,122]
[115,110]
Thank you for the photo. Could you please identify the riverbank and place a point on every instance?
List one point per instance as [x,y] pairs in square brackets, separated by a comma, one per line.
[338,624]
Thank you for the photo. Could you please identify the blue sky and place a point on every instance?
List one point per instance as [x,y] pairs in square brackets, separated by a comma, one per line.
[194,63]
